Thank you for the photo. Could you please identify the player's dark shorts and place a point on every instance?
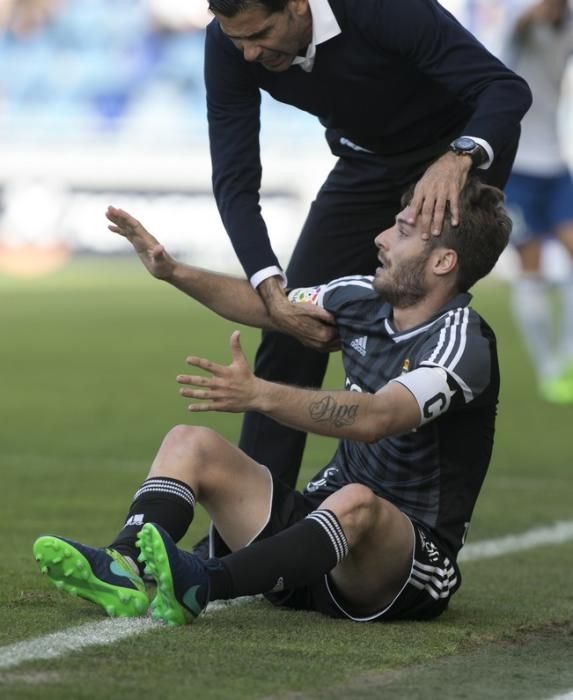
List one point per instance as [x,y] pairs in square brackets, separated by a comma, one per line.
[426,594]
[538,205]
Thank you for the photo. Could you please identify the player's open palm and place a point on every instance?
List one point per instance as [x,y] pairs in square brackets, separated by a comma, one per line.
[152,254]
[231,388]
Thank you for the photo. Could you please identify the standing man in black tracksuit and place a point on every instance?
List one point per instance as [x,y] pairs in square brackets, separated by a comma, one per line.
[405,94]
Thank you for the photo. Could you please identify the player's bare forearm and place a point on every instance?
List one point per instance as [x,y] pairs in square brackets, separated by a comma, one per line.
[227,296]
[351,415]
[346,415]
[339,414]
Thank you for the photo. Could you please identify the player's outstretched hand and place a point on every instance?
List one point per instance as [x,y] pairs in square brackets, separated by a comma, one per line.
[231,388]
[152,254]
[438,188]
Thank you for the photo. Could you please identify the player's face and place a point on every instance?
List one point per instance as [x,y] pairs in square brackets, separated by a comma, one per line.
[402,278]
[274,39]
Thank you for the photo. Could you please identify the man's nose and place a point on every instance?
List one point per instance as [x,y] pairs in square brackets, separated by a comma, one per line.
[251,52]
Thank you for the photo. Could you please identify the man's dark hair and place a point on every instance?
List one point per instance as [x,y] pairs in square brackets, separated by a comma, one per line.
[482,235]
[230,8]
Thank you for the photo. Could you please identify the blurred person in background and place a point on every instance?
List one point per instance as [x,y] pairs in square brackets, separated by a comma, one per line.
[540,193]
[26,17]
[405,93]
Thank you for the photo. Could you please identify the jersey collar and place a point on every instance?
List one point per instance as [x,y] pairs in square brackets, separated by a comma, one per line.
[462,299]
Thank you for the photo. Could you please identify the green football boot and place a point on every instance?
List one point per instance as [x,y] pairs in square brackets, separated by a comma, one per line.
[102,576]
[182,578]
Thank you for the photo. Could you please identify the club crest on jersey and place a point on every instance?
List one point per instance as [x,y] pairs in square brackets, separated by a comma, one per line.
[405,366]
[359,344]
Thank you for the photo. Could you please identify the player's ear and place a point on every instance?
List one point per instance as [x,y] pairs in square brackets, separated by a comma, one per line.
[444,261]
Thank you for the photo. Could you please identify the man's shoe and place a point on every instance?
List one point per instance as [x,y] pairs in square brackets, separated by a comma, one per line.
[181,577]
[102,576]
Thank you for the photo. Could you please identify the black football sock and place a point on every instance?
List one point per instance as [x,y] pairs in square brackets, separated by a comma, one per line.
[162,500]
[294,557]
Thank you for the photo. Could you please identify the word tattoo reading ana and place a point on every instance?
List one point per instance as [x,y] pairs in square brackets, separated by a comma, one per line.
[328,410]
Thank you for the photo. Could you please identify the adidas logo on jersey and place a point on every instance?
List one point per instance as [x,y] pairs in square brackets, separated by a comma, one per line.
[359,344]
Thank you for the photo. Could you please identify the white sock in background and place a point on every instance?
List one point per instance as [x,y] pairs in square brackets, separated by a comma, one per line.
[566,319]
[532,312]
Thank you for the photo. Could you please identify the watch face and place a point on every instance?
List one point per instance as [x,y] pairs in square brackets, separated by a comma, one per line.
[464,143]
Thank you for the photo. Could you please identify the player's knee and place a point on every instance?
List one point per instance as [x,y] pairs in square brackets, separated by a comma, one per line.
[195,442]
[356,507]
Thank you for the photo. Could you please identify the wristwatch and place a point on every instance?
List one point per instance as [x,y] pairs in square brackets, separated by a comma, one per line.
[466,146]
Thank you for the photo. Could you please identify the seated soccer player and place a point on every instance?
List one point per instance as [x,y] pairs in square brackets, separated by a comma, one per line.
[376,533]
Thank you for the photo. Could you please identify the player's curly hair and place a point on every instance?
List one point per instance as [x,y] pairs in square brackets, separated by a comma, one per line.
[482,234]
[230,8]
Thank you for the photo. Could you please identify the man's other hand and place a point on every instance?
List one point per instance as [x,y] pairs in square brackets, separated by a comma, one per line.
[152,254]
[438,188]
[310,324]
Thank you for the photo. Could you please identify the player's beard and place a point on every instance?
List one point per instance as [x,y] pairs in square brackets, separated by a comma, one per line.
[404,284]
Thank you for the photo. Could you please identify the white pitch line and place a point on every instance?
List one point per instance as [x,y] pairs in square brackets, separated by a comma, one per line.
[557,533]
[51,646]
[567,696]
[58,644]
[108,631]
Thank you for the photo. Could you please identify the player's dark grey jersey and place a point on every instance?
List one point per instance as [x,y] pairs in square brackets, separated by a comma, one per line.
[434,473]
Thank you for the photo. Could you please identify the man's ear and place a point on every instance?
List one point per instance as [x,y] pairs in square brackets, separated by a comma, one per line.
[444,261]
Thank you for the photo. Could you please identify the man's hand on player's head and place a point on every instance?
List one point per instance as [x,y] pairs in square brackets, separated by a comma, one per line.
[152,254]
[312,325]
[231,388]
[439,188]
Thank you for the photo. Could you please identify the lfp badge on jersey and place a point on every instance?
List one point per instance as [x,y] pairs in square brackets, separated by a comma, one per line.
[304,295]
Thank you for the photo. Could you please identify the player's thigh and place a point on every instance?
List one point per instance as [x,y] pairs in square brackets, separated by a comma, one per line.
[530,255]
[565,236]
[234,489]
[380,551]
[527,198]
[240,504]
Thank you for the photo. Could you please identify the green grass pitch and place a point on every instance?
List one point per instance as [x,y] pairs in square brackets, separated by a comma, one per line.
[88,359]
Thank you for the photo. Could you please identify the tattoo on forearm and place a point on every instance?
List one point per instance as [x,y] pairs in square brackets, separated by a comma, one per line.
[328,410]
